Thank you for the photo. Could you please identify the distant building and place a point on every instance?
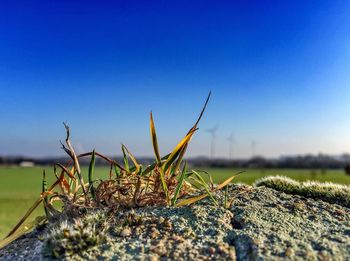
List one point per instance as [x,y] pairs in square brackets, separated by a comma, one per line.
[26,164]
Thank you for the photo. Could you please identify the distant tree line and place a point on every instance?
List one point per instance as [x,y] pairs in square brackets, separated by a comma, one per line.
[320,161]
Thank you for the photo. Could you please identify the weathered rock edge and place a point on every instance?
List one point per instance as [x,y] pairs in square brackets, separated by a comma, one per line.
[261,224]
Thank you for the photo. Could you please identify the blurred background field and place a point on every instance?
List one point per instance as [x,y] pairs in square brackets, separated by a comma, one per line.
[21,186]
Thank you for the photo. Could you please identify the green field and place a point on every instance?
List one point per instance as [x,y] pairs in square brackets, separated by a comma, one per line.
[20,187]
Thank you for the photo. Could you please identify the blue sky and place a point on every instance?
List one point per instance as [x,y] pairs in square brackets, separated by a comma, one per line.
[278,72]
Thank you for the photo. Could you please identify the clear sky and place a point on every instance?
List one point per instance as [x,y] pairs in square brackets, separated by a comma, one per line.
[279,73]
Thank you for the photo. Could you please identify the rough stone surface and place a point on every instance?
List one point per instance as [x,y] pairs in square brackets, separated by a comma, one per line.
[261,224]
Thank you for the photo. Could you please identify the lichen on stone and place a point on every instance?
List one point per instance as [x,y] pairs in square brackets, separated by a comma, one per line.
[70,238]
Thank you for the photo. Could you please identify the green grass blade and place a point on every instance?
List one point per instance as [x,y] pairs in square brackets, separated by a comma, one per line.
[44,189]
[117,173]
[194,199]
[205,185]
[125,158]
[152,166]
[44,183]
[91,175]
[179,185]
[164,185]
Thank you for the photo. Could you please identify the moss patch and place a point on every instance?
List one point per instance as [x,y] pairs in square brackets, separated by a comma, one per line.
[327,191]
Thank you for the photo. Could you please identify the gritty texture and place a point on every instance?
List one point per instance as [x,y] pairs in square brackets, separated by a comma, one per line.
[260,224]
[271,225]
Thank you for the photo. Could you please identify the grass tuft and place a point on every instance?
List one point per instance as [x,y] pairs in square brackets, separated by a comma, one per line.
[162,183]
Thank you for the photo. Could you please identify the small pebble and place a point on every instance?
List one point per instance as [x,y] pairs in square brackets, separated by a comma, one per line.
[126,232]
[211,250]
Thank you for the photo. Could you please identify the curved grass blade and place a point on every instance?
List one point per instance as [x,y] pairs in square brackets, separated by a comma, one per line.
[192,129]
[133,159]
[65,186]
[66,170]
[70,151]
[154,139]
[202,112]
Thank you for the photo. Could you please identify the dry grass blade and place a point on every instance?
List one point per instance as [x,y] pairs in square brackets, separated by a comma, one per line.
[154,139]
[24,218]
[191,200]
[109,160]
[74,157]
[64,185]
[65,170]
[23,230]
[32,208]
[227,181]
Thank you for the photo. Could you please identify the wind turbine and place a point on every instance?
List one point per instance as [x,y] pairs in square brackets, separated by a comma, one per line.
[231,141]
[253,144]
[212,132]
